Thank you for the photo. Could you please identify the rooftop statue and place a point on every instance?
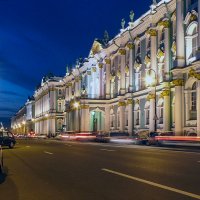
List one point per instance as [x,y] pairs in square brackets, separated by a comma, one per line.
[154,2]
[131,15]
[123,23]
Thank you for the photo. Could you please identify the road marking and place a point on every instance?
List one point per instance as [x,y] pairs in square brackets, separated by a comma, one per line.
[107,150]
[154,184]
[48,152]
[28,146]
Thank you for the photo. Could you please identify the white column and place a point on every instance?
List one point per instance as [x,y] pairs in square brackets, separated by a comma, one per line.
[153,34]
[198,29]
[122,69]
[108,63]
[76,87]
[67,93]
[130,116]
[152,112]
[70,91]
[178,107]
[131,60]
[85,118]
[107,118]
[101,87]
[166,110]
[198,107]
[180,40]
[167,49]
[122,105]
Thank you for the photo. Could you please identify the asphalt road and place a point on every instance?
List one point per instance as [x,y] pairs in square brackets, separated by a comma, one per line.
[53,170]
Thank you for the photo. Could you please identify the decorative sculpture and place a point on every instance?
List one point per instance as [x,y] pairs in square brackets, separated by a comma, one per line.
[132,14]
[123,23]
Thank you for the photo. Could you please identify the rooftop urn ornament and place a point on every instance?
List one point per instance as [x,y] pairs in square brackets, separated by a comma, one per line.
[132,14]
[67,70]
[106,37]
[154,2]
[77,63]
[123,23]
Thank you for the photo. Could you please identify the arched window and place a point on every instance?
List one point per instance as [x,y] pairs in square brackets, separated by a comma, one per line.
[174,29]
[138,52]
[59,107]
[118,118]
[59,92]
[148,39]
[137,81]
[194,98]
[191,42]
[194,41]
[160,112]
[147,113]
[137,114]
[59,124]
[112,118]
[126,116]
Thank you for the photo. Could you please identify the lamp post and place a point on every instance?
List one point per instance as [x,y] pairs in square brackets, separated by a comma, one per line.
[77,106]
[153,81]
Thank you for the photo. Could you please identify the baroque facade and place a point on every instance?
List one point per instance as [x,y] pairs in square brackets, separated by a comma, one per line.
[146,78]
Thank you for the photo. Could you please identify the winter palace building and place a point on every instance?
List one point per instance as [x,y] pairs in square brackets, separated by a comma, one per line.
[146,78]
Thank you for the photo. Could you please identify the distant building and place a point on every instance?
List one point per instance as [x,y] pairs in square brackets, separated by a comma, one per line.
[18,121]
[49,106]
[30,115]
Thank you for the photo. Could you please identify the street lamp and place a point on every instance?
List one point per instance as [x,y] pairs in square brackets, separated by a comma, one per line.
[77,106]
[153,81]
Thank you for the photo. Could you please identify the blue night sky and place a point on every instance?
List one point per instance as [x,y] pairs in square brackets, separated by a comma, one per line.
[42,36]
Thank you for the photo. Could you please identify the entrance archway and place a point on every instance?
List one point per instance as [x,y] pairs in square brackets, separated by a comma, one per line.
[97,120]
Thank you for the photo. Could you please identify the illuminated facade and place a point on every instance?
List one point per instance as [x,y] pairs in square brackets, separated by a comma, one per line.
[111,85]
[146,78]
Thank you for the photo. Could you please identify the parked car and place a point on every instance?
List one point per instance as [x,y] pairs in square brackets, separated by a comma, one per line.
[152,137]
[7,139]
[139,139]
[1,160]
[102,137]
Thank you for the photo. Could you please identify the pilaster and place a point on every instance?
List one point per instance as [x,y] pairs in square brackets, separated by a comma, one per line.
[198,107]
[108,63]
[180,40]
[107,118]
[152,117]
[178,106]
[131,60]
[85,118]
[122,105]
[166,110]
[130,116]
[122,70]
